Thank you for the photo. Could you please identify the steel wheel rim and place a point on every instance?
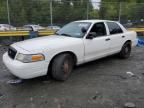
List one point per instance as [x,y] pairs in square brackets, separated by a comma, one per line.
[127,50]
[66,68]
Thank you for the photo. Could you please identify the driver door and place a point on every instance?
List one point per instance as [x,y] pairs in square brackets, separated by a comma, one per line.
[98,46]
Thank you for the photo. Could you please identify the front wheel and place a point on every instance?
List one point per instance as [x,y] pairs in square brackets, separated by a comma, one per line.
[62,67]
[125,51]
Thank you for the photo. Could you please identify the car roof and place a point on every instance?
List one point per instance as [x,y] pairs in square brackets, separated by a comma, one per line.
[31,25]
[4,24]
[94,21]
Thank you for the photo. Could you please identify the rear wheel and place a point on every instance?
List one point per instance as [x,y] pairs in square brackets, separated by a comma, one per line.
[62,67]
[125,51]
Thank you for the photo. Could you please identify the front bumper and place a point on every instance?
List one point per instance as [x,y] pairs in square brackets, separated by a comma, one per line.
[25,70]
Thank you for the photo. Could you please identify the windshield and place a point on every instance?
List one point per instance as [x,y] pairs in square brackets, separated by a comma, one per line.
[74,29]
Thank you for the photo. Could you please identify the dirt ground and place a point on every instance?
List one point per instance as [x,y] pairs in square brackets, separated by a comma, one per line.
[106,83]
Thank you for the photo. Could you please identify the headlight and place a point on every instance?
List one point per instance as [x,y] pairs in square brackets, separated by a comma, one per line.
[26,58]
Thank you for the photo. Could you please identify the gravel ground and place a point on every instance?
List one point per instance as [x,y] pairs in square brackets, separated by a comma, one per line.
[105,83]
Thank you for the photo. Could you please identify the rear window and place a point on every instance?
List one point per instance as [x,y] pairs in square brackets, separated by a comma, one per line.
[114,28]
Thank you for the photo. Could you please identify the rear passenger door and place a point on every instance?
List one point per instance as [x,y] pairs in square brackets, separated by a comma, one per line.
[116,37]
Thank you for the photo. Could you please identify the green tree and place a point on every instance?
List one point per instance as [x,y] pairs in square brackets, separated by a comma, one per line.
[3,11]
[70,10]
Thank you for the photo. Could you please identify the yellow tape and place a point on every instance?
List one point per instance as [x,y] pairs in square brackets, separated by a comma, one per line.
[43,33]
[136,29]
[14,33]
[25,33]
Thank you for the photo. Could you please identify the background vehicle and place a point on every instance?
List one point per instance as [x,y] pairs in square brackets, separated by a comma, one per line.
[7,27]
[54,27]
[33,27]
[76,43]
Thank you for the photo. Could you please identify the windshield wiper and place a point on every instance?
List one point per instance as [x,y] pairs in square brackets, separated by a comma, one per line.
[64,34]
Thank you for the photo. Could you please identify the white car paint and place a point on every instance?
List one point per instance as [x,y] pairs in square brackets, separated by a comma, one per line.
[84,49]
[33,27]
[7,27]
[54,27]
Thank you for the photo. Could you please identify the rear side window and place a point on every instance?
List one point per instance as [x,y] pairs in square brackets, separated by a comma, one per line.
[114,28]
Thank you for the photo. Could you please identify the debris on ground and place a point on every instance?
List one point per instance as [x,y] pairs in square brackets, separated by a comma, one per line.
[96,96]
[130,74]
[15,81]
[129,105]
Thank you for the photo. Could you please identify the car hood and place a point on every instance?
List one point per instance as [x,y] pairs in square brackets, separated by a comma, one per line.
[46,43]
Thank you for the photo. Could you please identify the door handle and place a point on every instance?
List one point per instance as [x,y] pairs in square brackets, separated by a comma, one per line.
[107,39]
[123,36]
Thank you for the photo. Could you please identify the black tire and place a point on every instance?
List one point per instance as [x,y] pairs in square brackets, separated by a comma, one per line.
[125,51]
[62,67]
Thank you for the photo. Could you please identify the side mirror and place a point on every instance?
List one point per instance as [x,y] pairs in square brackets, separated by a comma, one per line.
[91,35]
[84,30]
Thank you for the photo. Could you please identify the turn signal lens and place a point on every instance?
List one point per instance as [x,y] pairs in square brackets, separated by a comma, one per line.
[37,58]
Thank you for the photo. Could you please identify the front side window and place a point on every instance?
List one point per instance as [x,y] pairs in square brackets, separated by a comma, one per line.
[114,28]
[99,29]
[74,29]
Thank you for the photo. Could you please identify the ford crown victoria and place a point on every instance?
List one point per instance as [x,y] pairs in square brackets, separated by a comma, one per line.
[76,43]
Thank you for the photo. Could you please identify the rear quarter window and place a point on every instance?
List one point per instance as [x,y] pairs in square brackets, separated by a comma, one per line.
[114,28]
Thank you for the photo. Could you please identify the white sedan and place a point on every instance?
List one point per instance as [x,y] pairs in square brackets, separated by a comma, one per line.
[33,27]
[76,43]
[7,27]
